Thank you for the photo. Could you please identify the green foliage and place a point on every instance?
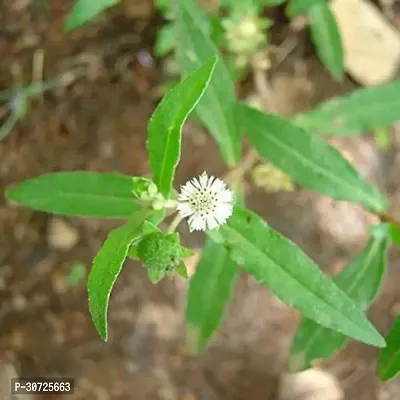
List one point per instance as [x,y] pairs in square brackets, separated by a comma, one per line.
[361,110]
[165,126]
[395,234]
[194,47]
[78,193]
[18,102]
[210,289]
[296,7]
[165,40]
[76,274]
[108,264]
[332,309]
[85,10]
[326,37]
[292,276]
[360,280]
[143,188]
[307,158]
[324,32]
[389,358]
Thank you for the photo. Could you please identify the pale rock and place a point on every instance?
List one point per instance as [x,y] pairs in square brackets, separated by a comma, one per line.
[8,372]
[312,384]
[61,235]
[371,45]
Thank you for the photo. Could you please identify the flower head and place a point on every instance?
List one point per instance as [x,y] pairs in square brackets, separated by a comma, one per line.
[206,201]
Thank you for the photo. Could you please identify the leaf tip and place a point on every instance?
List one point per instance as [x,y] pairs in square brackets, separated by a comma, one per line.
[378,340]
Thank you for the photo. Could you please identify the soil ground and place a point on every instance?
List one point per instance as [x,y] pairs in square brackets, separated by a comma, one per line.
[97,121]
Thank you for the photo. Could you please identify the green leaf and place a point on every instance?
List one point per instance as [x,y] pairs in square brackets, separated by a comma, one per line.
[108,264]
[165,40]
[85,10]
[389,358]
[270,2]
[292,276]
[326,37]
[132,252]
[307,158]
[215,111]
[9,124]
[239,192]
[395,234]
[78,193]
[250,6]
[296,7]
[209,290]
[181,270]
[383,138]
[360,280]
[361,110]
[185,253]
[165,127]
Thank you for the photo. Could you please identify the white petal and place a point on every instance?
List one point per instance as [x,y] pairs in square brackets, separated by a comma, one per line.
[183,197]
[225,196]
[203,179]
[218,185]
[196,183]
[184,209]
[197,223]
[188,187]
[223,212]
[210,181]
[212,222]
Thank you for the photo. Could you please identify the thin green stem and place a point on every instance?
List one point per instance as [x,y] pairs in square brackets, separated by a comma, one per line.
[174,223]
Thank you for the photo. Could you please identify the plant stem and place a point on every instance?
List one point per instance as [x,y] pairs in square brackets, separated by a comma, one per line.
[174,223]
[236,174]
[388,218]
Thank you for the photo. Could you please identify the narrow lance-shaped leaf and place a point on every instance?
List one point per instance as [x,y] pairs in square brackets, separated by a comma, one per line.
[291,275]
[193,47]
[209,290]
[296,7]
[9,124]
[360,280]
[78,193]
[165,126]
[326,37]
[85,10]
[389,359]
[108,264]
[307,158]
[361,110]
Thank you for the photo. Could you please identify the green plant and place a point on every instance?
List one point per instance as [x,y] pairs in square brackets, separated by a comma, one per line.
[85,10]
[17,100]
[333,309]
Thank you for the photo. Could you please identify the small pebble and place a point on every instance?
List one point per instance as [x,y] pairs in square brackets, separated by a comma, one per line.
[61,235]
[312,384]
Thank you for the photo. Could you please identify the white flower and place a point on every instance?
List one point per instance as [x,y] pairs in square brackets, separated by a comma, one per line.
[206,201]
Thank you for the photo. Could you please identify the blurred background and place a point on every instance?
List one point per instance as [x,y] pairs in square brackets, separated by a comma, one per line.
[110,80]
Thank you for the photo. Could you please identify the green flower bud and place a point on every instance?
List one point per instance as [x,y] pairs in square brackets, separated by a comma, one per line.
[160,253]
[144,189]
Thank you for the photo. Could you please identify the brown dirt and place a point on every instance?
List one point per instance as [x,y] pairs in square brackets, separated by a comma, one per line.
[98,122]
